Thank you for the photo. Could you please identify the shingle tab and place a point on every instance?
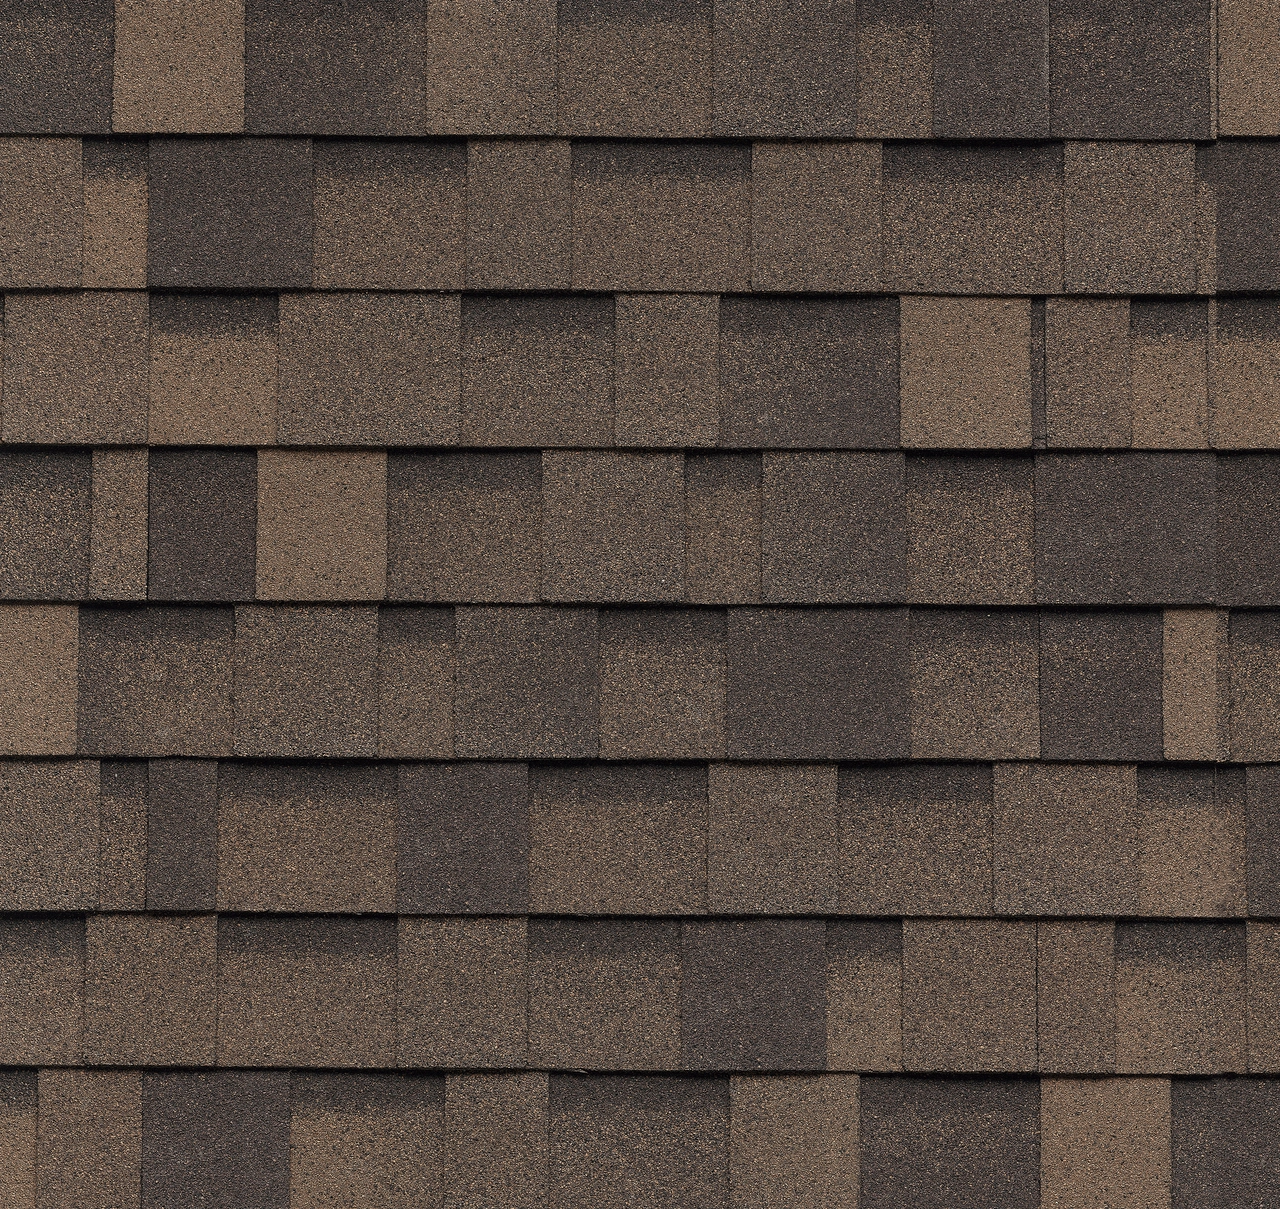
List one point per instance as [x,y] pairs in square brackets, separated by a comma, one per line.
[56,75]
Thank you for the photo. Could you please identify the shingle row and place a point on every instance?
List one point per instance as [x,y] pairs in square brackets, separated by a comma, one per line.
[959,69]
[274,1140]
[983,995]
[648,215]
[934,839]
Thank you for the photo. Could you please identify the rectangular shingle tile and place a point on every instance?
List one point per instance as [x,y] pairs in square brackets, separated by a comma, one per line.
[618,839]
[817,684]
[527,683]
[462,992]
[637,70]
[1248,546]
[230,213]
[462,838]
[1262,840]
[213,369]
[495,1151]
[369,369]
[1248,54]
[618,1142]
[833,527]
[306,838]
[45,508]
[38,679]
[810,373]
[915,839]
[787,70]
[1223,1141]
[90,1138]
[215,1138]
[182,835]
[973,218]
[390,214]
[122,835]
[1076,996]
[752,995]
[1197,695]
[1087,373]
[1169,374]
[1245,351]
[1066,839]
[416,670]
[1263,987]
[322,67]
[306,991]
[895,69]
[115,213]
[864,994]
[41,990]
[41,211]
[201,519]
[56,74]
[19,1124]
[604,994]
[665,216]
[155,681]
[722,527]
[1243,174]
[1255,685]
[612,526]
[49,834]
[306,681]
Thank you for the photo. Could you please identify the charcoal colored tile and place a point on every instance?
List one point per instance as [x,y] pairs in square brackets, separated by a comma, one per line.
[1180,998]
[38,680]
[491,67]
[772,842]
[1087,373]
[1223,1142]
[537,371]
[915,839]
[462,993]
[1254,725]
[722,527]
[635,70]
[1262,840]
[115,213]
[612,526]
[151,996]
[974,685]
[322,525]
[320,67]
[519,214]
[1076,996]
[833,527]
[785,69]
[527,684]
[1243,174]
[815,216]
[1100,685]
[604,994]
[350,1134]
[1066,839]
[990,78]
[970,529]
[1129,218]
[57,60]
[968,995]
[155,681]
[463,839]
[49,835]
[1132,71]
[949,1143]
[1125,528]
[313,838]
[230,213]
[661,216]
[89,1145]
[809,373]
[752,995]
[390,214]
[817,684]
[627,839]
[306,681]
[215,1139]
[647,1141]
[1248,535]
[416,670]
[369,369]
[182,835]
[203,512]
[179,68]
[122,836]
[864,995]
[213,374]
[1245,349]
[75,368]
[464,526]
[973,218]
[44,524]
[1197,695]
[495,1150]
[662,684]
[41,990]
[41,211]
[306,991]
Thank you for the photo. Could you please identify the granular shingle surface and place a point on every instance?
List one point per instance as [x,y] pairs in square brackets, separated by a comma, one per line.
[650,603]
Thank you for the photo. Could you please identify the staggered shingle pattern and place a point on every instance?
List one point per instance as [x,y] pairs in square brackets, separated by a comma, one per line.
[634,603]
